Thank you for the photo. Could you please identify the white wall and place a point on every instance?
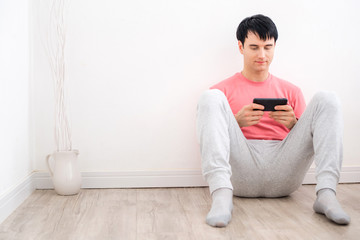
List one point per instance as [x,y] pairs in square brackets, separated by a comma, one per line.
[135,70]
[15,150]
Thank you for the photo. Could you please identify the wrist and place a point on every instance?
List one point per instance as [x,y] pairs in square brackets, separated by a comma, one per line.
[237,120]
[294,122]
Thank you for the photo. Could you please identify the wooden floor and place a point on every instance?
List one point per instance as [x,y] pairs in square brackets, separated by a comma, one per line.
[175,213]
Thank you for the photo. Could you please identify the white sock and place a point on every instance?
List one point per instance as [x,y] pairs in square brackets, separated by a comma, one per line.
[221,208]
[326,203]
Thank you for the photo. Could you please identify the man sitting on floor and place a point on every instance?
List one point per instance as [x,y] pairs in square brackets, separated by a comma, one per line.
[248,152]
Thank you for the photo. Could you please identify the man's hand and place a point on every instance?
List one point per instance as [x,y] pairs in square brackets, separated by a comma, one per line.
[284,115]
[247,116]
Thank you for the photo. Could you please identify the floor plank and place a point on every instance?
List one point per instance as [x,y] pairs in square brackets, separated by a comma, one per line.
[175,213]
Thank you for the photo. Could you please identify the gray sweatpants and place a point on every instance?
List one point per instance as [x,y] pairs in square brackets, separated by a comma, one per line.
[267,168]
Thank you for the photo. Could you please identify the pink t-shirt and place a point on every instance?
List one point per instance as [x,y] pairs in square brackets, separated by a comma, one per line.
[240,91]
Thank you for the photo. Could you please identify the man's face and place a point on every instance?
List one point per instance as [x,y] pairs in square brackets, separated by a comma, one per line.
[258,54]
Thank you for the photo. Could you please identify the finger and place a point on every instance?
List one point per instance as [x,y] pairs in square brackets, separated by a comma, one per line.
[257,113]
[282,113]
[256,106]
[281,121]
[254,113]
[275,114]
[285,123]
[281,118]
[278,116]
[254,122]
[283,108]
[254,118]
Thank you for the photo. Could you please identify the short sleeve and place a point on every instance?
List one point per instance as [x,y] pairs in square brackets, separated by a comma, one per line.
[299,104]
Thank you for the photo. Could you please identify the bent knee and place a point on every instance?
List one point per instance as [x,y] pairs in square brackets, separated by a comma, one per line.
[211,97]
[327,99]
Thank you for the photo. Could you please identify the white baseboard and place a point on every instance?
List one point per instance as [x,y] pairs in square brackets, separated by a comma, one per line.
[12,199]
[132,179]
[347,175]
[146,179]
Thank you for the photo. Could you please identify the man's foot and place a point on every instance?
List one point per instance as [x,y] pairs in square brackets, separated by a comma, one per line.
[326,203]
[221,208]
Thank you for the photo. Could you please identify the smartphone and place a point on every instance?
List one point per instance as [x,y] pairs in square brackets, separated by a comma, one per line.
[270,103]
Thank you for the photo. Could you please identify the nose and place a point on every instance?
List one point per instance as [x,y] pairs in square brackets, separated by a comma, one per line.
[261,53]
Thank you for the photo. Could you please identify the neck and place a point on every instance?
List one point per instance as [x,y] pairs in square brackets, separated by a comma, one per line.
[260,76]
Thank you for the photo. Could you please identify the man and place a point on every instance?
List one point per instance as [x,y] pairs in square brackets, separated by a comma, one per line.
[248,152]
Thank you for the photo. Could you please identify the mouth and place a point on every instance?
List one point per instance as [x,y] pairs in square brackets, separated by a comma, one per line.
[260,62]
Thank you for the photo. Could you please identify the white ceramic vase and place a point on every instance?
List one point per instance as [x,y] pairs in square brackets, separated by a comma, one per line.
[66,174]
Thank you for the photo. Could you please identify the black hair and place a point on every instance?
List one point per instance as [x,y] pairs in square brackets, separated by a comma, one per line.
[258,24]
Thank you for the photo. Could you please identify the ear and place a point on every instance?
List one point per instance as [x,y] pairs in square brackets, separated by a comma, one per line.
[241,47]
